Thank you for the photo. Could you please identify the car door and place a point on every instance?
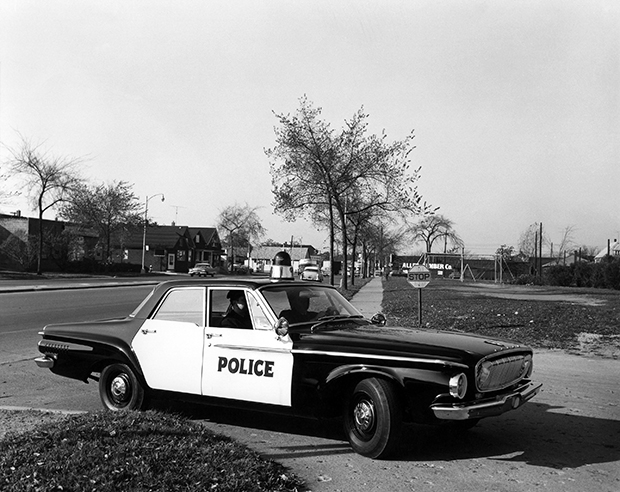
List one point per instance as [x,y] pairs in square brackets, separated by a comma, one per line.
[246,364]
[169,345]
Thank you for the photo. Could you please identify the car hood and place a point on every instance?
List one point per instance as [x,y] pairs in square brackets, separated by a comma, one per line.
[404,342]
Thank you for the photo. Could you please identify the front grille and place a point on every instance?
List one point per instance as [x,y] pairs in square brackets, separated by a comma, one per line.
[502,372]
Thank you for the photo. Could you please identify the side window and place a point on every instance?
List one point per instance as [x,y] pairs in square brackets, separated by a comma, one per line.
[229,309]
[218,307]
[261,322]
[186,305]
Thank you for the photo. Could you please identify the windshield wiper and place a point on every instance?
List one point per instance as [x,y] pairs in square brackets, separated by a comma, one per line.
[326,320]
[332,317]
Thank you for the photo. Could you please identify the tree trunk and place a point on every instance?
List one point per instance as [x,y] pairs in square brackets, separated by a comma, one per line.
[331,241]
[344,249]
[40,255]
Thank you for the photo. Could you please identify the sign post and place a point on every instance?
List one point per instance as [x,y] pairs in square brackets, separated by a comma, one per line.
[419,277]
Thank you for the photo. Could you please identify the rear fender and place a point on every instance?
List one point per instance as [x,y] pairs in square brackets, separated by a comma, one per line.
[94,357]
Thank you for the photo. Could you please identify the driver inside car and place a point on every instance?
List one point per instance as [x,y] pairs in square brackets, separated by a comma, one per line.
[238,315]
[299,303]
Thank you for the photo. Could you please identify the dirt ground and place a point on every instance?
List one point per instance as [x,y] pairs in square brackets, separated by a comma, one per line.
[589,344]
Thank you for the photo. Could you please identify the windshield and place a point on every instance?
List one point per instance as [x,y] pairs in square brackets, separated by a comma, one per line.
[303,304]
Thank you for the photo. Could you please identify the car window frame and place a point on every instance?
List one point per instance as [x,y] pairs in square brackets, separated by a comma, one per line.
[172,291]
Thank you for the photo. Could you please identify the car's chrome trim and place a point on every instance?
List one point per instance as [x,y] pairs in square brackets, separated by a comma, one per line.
[45,362]
[488,407]
[63,346]
[505,364]
[252,348]
[394,358]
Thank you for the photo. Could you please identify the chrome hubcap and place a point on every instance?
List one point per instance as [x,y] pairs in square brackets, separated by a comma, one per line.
[364,415]
[119,388]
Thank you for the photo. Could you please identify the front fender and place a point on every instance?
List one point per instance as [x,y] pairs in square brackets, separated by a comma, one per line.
[416,387]
[402,376]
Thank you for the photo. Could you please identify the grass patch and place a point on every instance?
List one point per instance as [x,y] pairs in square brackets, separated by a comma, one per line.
[133,451]
[541,324]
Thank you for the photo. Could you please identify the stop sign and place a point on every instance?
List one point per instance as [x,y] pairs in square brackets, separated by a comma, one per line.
[419,276]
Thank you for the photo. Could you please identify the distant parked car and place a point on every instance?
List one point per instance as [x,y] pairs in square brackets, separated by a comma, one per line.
[202,270]
[312,273]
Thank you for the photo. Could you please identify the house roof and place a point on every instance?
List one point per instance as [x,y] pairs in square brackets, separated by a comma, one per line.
[159,236]
[268,252]
[614,250]
[209,234]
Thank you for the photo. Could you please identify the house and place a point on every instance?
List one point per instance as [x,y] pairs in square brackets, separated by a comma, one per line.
[208,245]
[261,257]
[612,249]
[173,248]
[63,242]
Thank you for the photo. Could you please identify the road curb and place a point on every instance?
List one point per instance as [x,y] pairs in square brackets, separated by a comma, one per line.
[42,410]
[40,288]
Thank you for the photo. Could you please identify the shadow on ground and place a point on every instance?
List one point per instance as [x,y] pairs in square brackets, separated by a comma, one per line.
[537,434]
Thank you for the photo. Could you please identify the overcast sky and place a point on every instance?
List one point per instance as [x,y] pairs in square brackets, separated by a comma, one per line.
[515,104]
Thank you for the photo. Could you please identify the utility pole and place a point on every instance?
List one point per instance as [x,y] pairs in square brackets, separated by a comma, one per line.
[540,246]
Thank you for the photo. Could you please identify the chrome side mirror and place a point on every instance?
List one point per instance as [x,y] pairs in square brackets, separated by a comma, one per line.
[282,327]
[379,319]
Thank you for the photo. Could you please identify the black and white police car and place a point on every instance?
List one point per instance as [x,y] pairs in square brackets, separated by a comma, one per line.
[280,345]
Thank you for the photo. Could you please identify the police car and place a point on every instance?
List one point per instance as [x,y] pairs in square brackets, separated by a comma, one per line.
[279,345]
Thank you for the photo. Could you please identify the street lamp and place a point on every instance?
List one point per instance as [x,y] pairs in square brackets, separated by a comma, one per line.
[146,211]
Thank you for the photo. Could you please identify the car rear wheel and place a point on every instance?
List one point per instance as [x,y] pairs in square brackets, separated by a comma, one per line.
[120,389]
[373,418]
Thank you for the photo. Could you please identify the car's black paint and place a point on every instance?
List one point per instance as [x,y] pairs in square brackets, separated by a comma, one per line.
[341,364]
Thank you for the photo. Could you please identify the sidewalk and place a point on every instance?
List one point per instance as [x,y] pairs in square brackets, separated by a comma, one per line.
[369,298]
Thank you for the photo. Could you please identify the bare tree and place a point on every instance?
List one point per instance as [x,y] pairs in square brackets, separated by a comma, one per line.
[433,227]
[46,178]
[330,175]
[20,249]
[109,208]
[6,195]
[530,241]
[566,243]
[242,226]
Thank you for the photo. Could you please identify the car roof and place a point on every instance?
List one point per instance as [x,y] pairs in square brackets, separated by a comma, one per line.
[235,282]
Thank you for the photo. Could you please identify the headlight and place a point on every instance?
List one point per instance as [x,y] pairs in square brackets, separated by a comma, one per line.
[458,386]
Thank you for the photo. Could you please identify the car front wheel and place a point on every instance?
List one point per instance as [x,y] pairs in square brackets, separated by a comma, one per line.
[373,418]
[120,389]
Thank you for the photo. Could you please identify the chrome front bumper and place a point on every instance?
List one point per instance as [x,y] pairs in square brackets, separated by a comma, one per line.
[489,407]
[45,362]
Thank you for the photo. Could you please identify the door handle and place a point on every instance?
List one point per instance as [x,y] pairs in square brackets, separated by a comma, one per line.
[211,335]
[146,330]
